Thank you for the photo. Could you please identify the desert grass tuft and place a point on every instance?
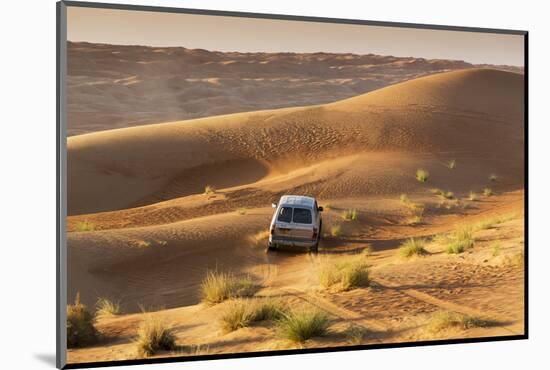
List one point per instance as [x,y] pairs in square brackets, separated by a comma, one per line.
[455,248]
[86,226]
[416,210]
[343,275]
[106,307]
[485,224]
[350,215]
[303,323]
[367,251]
[336,231]
[269,309]
[472,196]
[139,243]
[200,349]
[414,220]
[436,191]
[80,325]
[208,190]
[412,206]
[443,194]
[451,164]
[422,175]
[487,192]
[443,320]
[459,241]
[492,221]
[153,335]
[493,178]
[237,314]
[217,286]
[355,334]
[241,211]
[449,195]
[413,247]
[241,313]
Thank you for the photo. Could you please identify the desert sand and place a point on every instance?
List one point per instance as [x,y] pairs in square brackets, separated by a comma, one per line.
[116,86]
[156,233]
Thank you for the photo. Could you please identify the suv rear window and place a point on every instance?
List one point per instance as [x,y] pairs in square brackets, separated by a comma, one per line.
[285,214]
[302,216]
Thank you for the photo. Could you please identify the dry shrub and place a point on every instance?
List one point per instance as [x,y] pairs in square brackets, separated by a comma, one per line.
[237,314]
[422,175]
[444,320]
[153,336]
[218,286]
[355,334]
[86,226]
[459,241]
[269,309]
[350,215]
[241,313]
[336,231]
[106,307]
[302,324]
[345,274]
[80,325]
[413,247]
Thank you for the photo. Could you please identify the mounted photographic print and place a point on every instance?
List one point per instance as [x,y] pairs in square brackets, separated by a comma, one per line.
[236,185]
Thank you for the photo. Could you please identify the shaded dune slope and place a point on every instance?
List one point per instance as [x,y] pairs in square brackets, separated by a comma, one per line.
[471,113]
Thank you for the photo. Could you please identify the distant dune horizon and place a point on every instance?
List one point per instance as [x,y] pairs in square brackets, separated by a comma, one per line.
[115,86]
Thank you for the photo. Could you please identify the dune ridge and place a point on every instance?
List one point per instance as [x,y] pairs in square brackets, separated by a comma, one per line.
[122,86]
[454,112]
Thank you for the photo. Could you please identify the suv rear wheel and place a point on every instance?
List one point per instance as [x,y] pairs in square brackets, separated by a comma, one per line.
[315,247]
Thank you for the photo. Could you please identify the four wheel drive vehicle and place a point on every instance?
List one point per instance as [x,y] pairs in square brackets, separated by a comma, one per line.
[296,222]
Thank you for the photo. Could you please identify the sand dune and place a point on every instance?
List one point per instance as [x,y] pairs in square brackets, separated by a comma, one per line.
[371,175]
[165,277]
[114,86]
[155,233]
[472,113]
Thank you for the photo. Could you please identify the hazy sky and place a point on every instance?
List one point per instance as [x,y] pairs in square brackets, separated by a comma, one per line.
[249,35]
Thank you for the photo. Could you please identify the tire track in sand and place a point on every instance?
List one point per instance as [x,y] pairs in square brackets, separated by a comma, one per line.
[451,306]
[342,313]
[376,326]
[274,272]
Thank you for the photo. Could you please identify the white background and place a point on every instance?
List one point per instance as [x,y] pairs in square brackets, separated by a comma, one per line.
[27,208]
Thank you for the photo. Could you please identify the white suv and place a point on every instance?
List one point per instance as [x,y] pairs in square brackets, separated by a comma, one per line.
[296,222]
